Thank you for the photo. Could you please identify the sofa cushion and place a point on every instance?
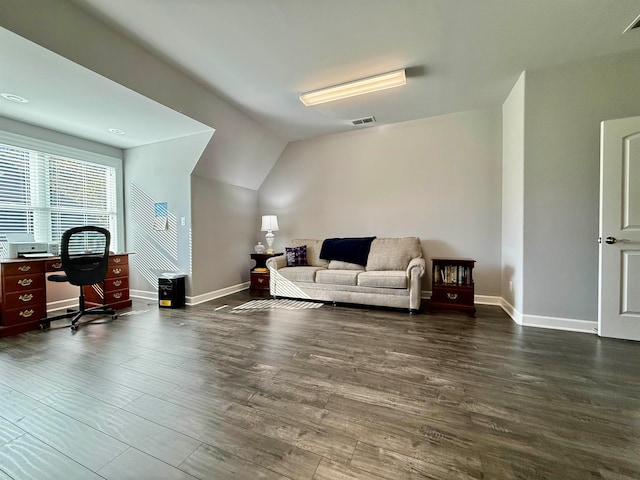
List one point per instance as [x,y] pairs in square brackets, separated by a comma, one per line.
[313,251]
[296,256]
[393,253]
[300,274]
[339,265]
[383,279]
[337,277]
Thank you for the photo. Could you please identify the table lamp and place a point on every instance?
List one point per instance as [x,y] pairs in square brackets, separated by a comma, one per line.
[269,225]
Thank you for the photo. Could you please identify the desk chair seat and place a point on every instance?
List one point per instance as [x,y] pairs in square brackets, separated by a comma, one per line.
[84,252]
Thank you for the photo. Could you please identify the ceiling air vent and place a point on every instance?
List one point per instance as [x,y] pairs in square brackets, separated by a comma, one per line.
[634,24]
[364,121]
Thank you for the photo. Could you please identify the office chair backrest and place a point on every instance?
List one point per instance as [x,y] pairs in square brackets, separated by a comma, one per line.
[85,254]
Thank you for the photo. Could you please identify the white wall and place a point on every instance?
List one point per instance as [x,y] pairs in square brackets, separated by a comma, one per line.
[513,129]
[437,178]
[564,108]
[160,172]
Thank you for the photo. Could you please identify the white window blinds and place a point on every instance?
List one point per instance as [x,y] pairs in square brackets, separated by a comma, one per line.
[46,194]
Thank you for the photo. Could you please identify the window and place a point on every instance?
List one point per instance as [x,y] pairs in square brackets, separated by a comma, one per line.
[45,194]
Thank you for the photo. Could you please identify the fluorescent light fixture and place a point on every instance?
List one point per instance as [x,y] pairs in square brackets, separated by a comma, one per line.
[357,87]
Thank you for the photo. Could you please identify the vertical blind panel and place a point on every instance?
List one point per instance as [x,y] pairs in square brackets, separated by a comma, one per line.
[47,194]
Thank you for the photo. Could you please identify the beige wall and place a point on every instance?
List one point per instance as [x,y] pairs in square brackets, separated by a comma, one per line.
[437,178]
[513,128]
[564,108]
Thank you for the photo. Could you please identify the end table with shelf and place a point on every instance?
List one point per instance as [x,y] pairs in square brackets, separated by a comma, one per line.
[260,272]
[452,284]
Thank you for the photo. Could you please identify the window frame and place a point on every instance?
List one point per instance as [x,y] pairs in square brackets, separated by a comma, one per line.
[59,149]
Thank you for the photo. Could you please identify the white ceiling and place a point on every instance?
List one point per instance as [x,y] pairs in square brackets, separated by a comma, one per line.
[261,54]
[460,54]
[68,98]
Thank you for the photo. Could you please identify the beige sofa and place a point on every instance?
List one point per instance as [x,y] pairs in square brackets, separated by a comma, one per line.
[392,276]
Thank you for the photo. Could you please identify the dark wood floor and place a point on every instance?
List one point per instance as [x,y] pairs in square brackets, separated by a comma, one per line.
[323,394]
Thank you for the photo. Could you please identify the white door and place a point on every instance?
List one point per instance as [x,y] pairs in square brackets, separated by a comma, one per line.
[619,282]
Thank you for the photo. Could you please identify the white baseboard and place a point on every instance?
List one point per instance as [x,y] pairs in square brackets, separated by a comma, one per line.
[195,300]
[487,300]
[510,310]
[62,304]
[205,297]
[556,323]
[143,294]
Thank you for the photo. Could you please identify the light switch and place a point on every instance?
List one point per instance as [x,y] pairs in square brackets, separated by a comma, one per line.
[183,221]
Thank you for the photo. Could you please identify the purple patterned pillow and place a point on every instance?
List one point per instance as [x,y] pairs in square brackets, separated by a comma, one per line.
[296,256]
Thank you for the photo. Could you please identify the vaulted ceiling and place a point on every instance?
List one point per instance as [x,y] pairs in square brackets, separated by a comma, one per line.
[260,55]
[459,54]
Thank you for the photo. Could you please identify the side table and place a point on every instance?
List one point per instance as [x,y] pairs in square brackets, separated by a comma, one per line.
[453,286]
[260,272]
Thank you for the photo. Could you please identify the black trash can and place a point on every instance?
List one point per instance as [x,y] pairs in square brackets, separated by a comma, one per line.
[171,290]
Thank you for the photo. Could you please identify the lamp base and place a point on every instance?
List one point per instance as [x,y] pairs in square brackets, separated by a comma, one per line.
[269,237]
[270,251]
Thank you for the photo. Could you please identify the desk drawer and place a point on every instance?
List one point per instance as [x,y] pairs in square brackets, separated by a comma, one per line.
[117,296]
[15,316]
[118,271]
[118,283]
[23,300]
[118,260]
[53,265]
[22,268]
[21,283]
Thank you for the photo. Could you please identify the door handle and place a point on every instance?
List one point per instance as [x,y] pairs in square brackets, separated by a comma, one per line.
[612,240]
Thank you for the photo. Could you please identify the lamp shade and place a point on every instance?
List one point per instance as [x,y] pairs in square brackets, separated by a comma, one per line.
[269,223]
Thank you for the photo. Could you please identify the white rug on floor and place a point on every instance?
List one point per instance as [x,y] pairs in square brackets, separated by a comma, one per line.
[278,303]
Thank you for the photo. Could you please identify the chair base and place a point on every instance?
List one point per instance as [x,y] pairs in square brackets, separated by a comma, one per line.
[75,315]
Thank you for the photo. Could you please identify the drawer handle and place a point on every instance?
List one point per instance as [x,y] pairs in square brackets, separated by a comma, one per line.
[117,283]
[117,295]
[117,260]
[25,282]
[24,268]
[27,297]
[260,280]
[57,265]
[116,271]
[27,313]
[452,296]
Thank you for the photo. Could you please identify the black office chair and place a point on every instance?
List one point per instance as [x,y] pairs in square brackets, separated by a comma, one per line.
[85,256]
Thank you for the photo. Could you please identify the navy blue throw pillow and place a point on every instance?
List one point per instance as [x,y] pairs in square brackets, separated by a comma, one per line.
[296,256]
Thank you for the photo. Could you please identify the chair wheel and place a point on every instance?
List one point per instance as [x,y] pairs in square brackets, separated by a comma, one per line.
[74,327]
[114,316]
[44,325]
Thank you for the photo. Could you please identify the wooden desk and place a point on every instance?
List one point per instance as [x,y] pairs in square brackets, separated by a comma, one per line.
[23,298]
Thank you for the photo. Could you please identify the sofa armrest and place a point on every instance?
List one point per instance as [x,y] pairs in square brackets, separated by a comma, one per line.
[416,266]
[274,263]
